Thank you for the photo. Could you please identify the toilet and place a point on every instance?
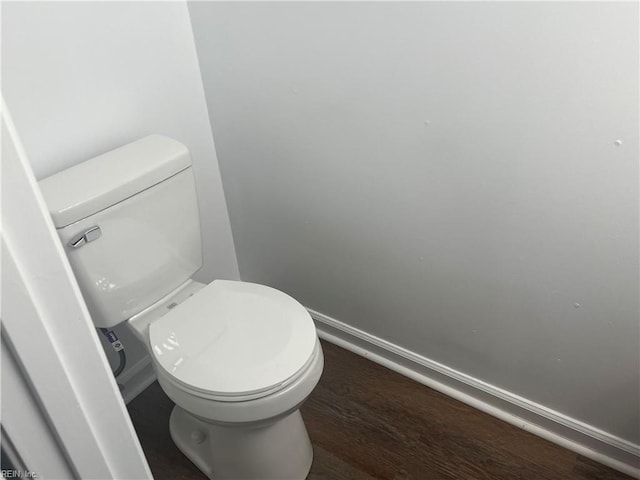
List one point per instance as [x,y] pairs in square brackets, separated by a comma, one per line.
[238,359]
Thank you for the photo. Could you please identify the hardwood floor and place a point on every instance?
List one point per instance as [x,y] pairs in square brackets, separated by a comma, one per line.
[367,422]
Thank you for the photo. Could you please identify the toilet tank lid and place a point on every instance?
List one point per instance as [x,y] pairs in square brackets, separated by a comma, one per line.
[103,181]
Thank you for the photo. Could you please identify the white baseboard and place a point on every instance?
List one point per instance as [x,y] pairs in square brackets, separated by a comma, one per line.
[542,421]
[136,378]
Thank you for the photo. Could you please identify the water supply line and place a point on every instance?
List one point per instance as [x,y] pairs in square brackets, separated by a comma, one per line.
[118,347]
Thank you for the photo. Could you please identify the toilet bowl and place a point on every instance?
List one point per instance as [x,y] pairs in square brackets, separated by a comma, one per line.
[229,423]
[237,358]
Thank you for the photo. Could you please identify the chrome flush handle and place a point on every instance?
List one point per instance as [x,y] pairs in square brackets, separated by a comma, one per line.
[89,235]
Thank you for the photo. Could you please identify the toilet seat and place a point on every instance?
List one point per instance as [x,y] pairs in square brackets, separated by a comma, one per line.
[234,341]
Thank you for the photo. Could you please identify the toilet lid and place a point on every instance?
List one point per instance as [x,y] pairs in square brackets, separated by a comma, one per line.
[234,339]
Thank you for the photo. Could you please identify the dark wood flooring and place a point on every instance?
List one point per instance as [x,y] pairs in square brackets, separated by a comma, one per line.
[367,422]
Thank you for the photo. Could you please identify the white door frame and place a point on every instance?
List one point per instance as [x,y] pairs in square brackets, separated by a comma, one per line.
[62,412]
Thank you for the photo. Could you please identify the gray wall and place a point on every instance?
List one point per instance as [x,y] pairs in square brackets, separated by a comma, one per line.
[444,176]
[81,78]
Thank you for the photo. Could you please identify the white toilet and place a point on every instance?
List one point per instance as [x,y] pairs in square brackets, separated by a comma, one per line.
[237,358]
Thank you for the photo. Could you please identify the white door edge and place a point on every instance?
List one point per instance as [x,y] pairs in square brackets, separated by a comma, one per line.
[50,337]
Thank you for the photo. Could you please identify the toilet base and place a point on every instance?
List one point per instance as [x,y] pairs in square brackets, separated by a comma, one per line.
[278,450]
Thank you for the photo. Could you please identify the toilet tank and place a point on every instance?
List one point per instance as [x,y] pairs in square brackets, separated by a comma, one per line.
[129,224]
